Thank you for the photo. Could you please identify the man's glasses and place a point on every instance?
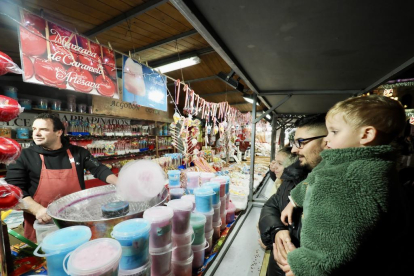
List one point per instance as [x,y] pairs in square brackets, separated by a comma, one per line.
[299,143]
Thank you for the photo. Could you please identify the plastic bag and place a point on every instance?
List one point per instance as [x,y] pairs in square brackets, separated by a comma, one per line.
[10,150]
[9,109]
[10,196]
[8,66]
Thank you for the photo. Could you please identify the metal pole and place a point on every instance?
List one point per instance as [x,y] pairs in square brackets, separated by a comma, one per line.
[252,147]
[282,136]
[273,140]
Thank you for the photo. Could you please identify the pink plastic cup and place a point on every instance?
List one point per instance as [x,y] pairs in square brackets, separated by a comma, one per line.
[190,198]
[216,228]
[205,177]
[193,179]
[183,268]
[209,220]
[231,211]
[223,206]
[222,182]
[227,200]
[160,218]
[181,219]
[216,209]
[223,221]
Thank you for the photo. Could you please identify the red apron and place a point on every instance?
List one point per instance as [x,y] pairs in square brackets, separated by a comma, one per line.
[53,184]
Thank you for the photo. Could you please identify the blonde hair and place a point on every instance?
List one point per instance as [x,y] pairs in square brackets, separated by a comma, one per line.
[289,160]
[386,115]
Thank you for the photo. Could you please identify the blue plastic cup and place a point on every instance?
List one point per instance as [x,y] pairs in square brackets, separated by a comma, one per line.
[133,235]
[58,244]
[216,188]
[174,178]
[204,199]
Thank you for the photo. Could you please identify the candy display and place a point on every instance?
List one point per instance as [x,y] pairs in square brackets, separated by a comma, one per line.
[9,150]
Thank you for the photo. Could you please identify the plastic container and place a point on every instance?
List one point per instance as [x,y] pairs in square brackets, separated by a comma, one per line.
[231,211]
[216,188]
[216,228]
[10,91]
[174,178]
[82,108]
[161,260]
[176,193]
[183,268]
[183,239]
[209,239]
[42,230]
[182,252]
[90,109]
[227,183]
[209,220]
[160,218]
[22,133]
[96,257]
[58,244]
[223,220]
[198,222]
[133,235]
[72,99]
[43,103]
[115,209]
[222,182]
[71,107]
[181,219]
[193,179]
[199,253]
[204,199]
[144,270]
[223,205]
[216,208]
[206,177]
[190,198]
[56,105]
[26,103]
[227,200]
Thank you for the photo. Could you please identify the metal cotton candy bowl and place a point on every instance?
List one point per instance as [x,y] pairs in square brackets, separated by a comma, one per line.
[84,208]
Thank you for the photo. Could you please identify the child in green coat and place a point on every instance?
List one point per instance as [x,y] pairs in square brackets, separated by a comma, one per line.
[352,212]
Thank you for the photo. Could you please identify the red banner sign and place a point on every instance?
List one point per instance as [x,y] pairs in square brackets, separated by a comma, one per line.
[54,56]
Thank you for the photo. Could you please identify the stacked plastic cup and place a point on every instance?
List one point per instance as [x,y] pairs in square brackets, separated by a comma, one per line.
[176,193]
[206,177]
[198,221]
[216,220]
[160,242]
[231,211]
[193,179]
[174,179]
[222,180]
[182,235]
[190,198]
[133,235]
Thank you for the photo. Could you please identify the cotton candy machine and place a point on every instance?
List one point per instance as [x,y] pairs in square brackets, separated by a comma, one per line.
[84,208]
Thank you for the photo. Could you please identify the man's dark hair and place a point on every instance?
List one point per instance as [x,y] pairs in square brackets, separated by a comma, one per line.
[57,123]
[312,121]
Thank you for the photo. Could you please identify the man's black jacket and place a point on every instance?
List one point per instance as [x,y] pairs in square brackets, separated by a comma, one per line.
[270,223]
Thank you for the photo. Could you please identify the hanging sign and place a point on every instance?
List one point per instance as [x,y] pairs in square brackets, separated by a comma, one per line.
[54,56]
[143,86]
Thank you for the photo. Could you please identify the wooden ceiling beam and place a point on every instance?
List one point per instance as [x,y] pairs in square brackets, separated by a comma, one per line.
[117,20]
[165,41]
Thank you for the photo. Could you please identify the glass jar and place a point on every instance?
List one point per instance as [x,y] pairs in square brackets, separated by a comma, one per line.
[56,105]
[71,107]
[26,103]
[22,133]
[10,91]
[82,108]
[43,103]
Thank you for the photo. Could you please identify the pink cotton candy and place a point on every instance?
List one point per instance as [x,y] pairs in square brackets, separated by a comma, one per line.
[140,180]
[95,255]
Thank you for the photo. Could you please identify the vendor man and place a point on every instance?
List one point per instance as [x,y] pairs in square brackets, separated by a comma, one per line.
[51,168]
